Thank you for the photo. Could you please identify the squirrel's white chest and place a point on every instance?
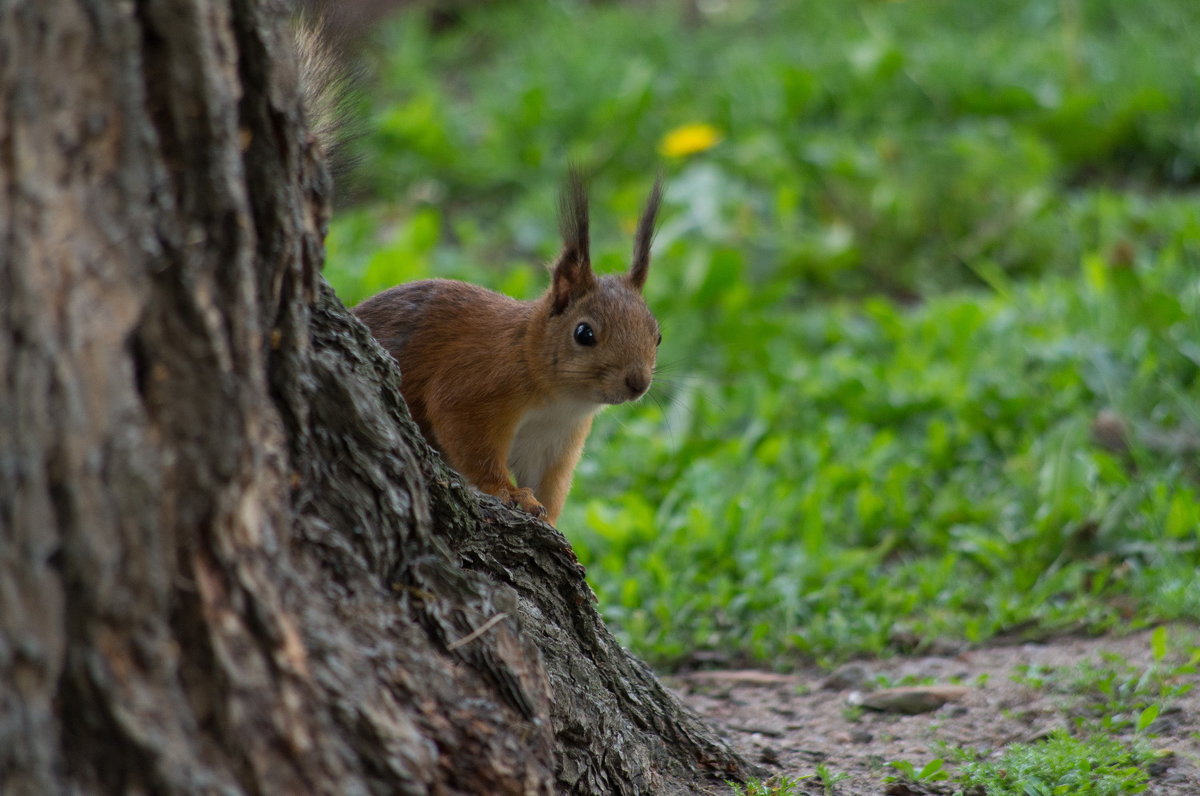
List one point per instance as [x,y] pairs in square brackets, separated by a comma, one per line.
[543,436]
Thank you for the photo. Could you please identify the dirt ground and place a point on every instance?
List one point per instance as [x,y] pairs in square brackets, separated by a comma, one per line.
[790,723]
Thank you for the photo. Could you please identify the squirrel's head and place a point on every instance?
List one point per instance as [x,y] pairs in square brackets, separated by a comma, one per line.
[601,339]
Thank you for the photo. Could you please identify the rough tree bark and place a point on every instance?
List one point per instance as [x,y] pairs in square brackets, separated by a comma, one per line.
[227,559]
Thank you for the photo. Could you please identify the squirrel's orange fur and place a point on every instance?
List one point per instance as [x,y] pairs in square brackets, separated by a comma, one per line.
[507,389]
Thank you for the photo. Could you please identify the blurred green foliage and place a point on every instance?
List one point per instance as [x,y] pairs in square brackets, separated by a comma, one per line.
[934,242]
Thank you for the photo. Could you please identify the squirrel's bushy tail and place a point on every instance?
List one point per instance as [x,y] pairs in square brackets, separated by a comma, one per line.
[327,85]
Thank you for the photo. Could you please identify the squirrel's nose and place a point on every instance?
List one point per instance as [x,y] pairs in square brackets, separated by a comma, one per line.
[637,383]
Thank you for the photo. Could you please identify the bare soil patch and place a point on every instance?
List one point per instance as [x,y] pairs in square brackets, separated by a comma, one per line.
[790,723]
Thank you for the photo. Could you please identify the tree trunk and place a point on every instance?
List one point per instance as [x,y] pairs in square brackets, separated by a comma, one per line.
[228,561]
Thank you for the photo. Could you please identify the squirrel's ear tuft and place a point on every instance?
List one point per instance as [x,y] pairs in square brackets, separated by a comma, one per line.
[573,275]
[645,235]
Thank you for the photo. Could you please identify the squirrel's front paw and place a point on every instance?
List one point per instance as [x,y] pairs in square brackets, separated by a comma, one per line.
[523,499]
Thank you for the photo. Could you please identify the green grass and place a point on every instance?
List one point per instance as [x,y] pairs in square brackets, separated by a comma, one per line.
[1097,766]
[1111,696]
[776,786]
[846,471]
[935,242]
[931,772]
[1110,706]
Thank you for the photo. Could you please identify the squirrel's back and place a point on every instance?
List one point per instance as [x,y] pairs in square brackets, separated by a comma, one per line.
[419,309]
[456,344]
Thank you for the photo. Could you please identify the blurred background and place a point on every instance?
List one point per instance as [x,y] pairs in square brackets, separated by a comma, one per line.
[929,281]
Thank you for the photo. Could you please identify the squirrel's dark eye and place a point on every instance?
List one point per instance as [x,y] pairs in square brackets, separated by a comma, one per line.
[659,340]
[584,335]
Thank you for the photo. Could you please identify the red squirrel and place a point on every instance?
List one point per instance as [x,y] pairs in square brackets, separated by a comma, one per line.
[505,389]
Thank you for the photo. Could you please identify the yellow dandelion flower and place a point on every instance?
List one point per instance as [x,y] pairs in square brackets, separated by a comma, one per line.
[689,139]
